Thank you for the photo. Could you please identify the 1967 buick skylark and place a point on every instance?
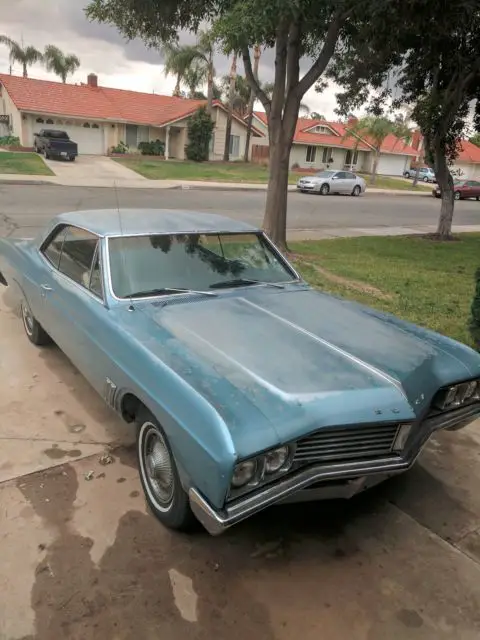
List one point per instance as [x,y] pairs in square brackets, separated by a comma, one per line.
[247,387]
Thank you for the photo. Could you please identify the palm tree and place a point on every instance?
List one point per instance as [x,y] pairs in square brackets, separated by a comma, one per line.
[231,97]
[268,90]
[241,95]
[194,78]
[178,60]
[203,53]
[314,115]
[374,130]
[26,56]
[251,102]
[60,64]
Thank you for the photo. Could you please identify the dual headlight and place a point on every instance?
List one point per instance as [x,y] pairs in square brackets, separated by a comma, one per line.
[458,395]
[258,469]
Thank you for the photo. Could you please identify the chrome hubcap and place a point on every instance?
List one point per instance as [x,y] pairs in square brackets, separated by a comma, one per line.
[158,466]
[27,319]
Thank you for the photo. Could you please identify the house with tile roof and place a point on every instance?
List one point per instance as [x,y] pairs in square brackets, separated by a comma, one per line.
[320,144]
[467,162]
[98,118]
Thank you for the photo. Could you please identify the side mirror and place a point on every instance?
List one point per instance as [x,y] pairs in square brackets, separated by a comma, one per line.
[334,178]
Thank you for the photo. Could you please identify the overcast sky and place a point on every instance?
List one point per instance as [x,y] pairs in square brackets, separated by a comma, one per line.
[103,51]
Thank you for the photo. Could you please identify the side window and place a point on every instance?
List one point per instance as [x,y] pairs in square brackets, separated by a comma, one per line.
[341,175]
[349,176]
[96,275]
[53,249]
[77,255]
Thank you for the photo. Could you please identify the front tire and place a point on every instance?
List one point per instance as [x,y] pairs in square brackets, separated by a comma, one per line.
[161,484]
[425,179]
[72,158]
[356,190]
[457,195]
[407,174]
[34,330]
[324,190]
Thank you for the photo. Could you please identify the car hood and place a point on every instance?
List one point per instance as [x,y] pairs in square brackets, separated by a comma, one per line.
[278,364]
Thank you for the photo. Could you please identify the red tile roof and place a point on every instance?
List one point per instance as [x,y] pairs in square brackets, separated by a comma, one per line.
[469,152]
[85,101]
[391,144]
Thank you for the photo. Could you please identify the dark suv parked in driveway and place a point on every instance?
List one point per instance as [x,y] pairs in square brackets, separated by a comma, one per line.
[55,144]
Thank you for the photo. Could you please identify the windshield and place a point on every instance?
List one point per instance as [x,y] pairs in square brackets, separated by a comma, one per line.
[325,174]
[61,135]
[156,264]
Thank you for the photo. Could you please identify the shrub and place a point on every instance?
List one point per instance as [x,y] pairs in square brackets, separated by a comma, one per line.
[9,141]
[475,317]
[120,148]
[156,148]
[295,166]
[200,128]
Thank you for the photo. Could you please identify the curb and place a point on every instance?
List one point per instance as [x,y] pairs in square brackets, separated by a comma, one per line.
[29,182]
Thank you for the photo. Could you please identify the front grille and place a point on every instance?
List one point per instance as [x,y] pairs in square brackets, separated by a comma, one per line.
[346,443]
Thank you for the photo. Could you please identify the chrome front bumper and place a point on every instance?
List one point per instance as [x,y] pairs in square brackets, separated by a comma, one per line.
[342,480]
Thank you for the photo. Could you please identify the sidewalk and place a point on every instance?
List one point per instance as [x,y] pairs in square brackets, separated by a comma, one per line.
[297,235]
[142,183]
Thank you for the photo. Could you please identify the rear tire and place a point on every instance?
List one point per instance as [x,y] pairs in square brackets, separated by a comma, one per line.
[407,174]
[72,159]
[34,330]
[425,179]
[324,190]
[457,195]
[161,484]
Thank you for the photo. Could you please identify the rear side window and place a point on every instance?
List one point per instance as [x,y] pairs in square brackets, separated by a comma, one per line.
[53,249]
[77,255]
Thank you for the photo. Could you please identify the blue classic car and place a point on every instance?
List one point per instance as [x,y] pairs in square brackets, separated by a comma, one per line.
[247,387]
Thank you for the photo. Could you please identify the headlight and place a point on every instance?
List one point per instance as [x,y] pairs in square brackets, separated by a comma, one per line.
[458,395]
[243,473]
[276,459]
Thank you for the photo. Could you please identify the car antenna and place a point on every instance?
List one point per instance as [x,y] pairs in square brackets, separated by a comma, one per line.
[123,252]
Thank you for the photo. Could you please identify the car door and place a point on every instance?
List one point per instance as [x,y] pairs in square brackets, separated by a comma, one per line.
[475,188]
[338,182]
[75,313]
[468,190]
[350,181]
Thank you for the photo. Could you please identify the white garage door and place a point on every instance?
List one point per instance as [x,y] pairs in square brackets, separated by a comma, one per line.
[89,139]
[391,165]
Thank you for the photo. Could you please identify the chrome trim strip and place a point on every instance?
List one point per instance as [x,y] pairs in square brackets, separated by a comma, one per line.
[215,522]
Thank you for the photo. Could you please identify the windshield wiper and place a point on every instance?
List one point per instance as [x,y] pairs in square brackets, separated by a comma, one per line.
[163,291]
[241,282]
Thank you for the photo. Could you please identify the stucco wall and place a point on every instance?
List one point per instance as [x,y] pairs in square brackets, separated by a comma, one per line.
[8,108]
[469,170]
[298,156]
[219,138]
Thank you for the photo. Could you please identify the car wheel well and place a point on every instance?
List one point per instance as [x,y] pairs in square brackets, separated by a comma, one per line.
[130,407]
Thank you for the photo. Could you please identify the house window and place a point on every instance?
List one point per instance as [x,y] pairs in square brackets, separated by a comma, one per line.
[234,146]
[40,120]
[327,155]
[86,125]
[351,158]
[49,121]
[211,144]
[321,129]
[311,154]
[95,126]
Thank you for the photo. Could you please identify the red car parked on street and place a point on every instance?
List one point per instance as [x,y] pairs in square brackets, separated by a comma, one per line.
[463,189]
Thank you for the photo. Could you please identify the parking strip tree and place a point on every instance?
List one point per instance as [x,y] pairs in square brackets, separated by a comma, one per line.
[303,33]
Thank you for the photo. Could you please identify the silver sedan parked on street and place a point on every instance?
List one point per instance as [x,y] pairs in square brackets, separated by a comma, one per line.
[330,181]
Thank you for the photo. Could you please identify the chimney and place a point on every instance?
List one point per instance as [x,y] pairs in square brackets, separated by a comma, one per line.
[92,80]
[352,120]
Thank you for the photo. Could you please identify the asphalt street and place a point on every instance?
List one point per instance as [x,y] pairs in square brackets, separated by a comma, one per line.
[24,209]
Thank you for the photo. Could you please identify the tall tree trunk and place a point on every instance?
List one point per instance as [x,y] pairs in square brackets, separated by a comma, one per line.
[445,182]
[176,91]
[25,70]
[275,219]
[251,102]
[231,96]
[210,80]
[376,158]
[415,177]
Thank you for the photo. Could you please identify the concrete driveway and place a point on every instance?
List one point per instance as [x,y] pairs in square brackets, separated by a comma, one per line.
[93,170]
[81,557]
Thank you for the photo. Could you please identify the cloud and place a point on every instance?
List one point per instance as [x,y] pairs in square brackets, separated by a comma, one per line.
[102,50]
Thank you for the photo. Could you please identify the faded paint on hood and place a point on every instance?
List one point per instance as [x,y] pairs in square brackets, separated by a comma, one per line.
[301,360]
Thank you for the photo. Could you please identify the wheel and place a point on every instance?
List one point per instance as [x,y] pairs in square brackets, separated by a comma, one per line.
[457,195]
[478,198]
[425,179]
[34,330]
[356,190]
[407,174]
[324,189]
[159,476]
[47,155]
[72,158]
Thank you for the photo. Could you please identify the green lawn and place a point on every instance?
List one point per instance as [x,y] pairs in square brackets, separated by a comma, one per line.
[23,163]
[385,182]
[155,169]
[420,280]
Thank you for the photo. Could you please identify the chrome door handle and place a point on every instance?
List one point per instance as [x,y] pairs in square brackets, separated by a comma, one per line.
[45,287]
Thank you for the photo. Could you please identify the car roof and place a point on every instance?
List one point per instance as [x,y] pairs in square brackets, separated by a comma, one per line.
[115,222]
